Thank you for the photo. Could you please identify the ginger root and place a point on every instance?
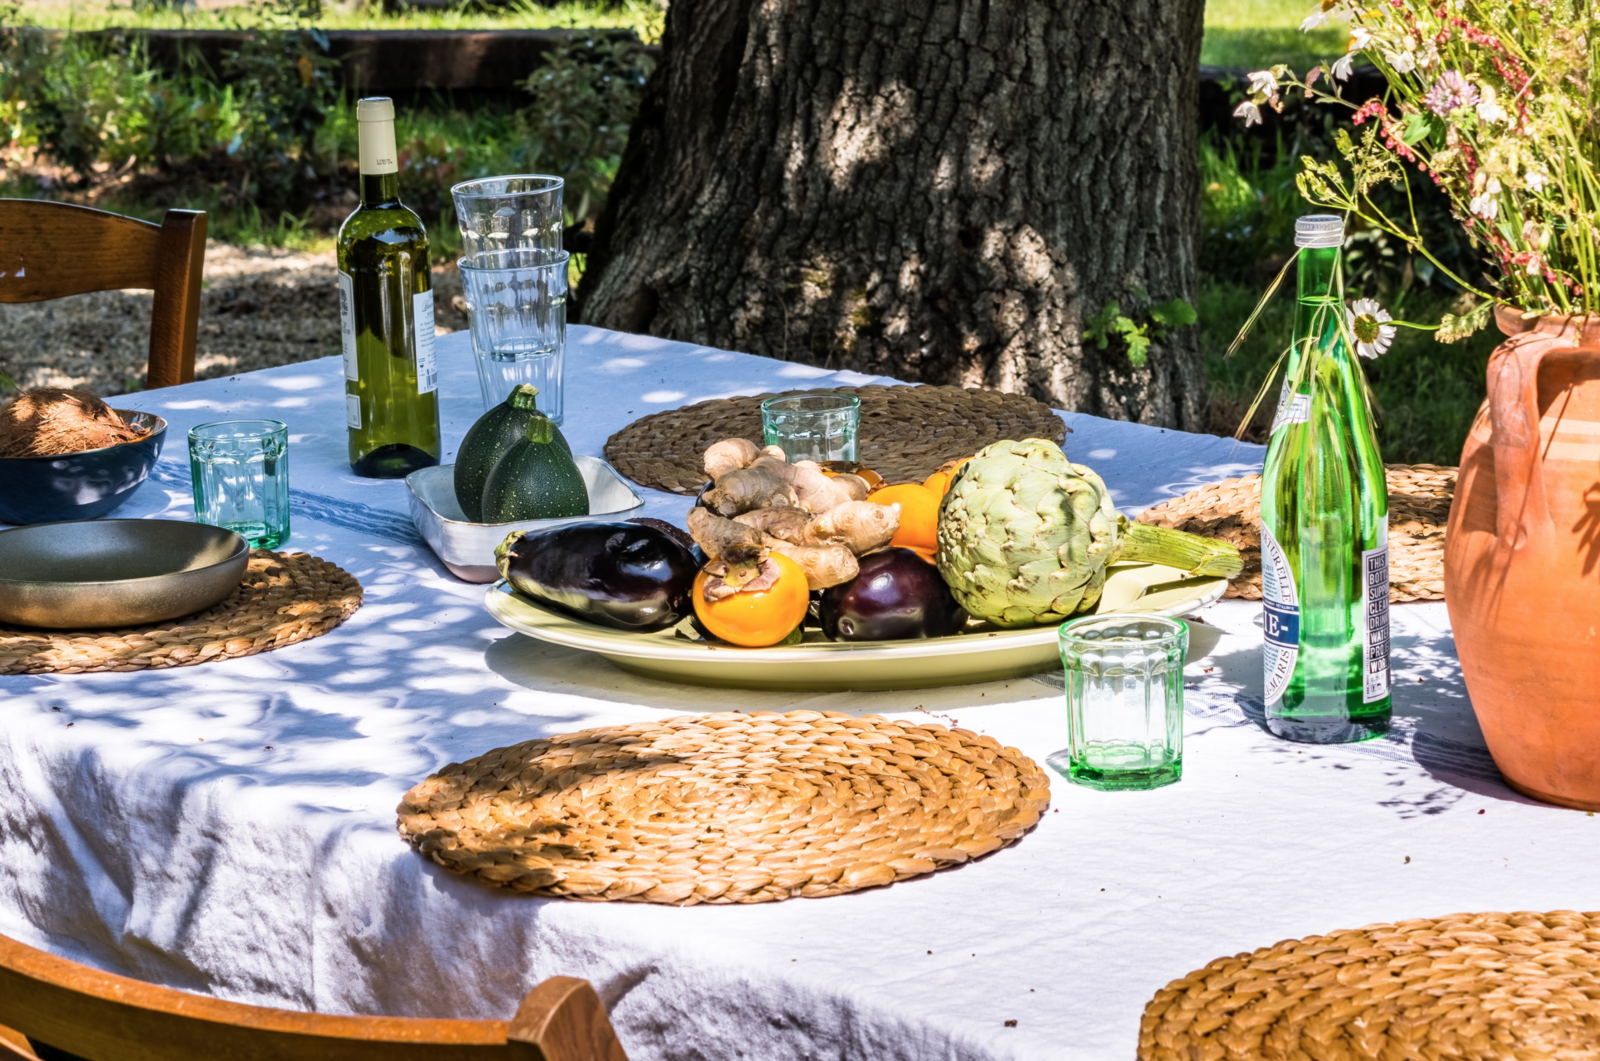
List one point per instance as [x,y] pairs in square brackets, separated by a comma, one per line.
[737,550]
[862,526]
[824,565]
[746,489]
[784,522]
[729,455]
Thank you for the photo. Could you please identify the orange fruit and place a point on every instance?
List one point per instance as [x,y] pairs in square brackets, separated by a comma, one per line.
[758,619]
[939,482]
[919,515]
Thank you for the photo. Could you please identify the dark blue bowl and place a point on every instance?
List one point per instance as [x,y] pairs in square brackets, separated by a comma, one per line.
[83,485]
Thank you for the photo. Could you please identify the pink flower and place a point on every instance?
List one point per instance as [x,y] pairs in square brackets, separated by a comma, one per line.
[1450,93]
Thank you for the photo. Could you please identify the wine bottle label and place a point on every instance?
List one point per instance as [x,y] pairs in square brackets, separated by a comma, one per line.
[427,366]
[347,325]
[1281,619]
[1375,639]
[352,411]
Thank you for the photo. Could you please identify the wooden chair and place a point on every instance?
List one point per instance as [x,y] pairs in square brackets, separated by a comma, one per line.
[101,1017]
[51,250]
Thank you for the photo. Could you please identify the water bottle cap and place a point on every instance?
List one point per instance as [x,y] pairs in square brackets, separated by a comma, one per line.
[375,109]
[1319,230]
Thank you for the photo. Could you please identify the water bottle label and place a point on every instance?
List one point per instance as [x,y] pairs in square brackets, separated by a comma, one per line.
[347,325]
[1292,409]
[1375,640]
[427,366]
[1281,619]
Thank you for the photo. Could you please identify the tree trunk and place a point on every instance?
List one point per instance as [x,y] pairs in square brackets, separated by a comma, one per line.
[939,190]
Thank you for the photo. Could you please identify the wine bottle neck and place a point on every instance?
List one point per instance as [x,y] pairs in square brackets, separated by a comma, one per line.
[380,169]
[380,189]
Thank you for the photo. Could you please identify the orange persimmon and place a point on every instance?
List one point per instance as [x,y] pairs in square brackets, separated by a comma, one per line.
[755,620]
[919,515]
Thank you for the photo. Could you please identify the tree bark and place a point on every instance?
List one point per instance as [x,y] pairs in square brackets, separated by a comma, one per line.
[938,190]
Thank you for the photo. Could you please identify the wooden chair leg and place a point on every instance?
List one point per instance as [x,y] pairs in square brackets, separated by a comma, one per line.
[563,1020]
[175,315]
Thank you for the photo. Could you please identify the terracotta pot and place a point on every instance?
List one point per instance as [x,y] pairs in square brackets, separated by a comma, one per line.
[1522,560]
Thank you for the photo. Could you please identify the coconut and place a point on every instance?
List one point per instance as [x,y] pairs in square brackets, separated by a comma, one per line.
[51,421]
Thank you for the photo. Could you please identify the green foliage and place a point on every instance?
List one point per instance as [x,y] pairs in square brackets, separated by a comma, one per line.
[637,15]
[78,101]
[1158,320]
[283,77]
[584,98]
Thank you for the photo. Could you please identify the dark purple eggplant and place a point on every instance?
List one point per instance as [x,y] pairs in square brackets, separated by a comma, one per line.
[898,595]
[621,575]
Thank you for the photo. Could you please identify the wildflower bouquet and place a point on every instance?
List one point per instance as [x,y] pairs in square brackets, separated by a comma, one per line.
[1496,102]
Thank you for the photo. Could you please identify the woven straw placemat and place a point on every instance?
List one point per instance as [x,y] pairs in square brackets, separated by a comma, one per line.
[1472,987]
[284,598]
[726,808]
[1419,508]
[906,432]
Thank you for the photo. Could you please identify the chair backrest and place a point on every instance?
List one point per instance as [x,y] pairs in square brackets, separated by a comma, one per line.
[103,1017]
[51,250]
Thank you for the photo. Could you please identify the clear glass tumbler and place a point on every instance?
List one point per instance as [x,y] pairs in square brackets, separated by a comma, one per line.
[1124,700]
[520,212]
[518,306]
[240,473]
[813,427]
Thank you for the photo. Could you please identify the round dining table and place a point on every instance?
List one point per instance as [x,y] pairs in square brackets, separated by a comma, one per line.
[229,828]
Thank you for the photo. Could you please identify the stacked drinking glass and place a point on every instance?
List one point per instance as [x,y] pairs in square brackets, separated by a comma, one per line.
[514,278]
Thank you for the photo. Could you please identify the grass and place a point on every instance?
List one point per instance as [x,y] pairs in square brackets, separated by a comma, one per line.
[1258,33]
[642,16]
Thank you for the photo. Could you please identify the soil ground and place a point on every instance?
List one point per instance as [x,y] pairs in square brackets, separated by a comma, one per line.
[260,308]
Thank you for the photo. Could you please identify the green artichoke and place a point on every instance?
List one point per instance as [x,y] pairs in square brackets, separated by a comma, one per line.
[1025,537]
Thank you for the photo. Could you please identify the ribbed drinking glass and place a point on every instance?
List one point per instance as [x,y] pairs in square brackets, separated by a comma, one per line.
[518,304]
[1124,680]
[240,474]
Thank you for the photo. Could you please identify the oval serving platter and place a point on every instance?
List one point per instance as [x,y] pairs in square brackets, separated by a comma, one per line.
[982,654]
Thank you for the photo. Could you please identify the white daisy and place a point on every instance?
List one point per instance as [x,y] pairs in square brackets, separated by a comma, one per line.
[1367,323]
[1249,112]
[1343,66]
[1313,20]
[1360,39]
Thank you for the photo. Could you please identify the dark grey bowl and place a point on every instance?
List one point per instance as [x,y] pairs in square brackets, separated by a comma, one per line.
[116,572]
[79,485]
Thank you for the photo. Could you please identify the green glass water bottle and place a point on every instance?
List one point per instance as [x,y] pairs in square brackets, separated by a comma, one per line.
[1324,525]
[386,315]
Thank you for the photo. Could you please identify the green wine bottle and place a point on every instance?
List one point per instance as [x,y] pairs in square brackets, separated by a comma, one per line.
[1324,525]
[386,312]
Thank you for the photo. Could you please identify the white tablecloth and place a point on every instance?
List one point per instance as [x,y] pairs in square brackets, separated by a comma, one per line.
[229,828]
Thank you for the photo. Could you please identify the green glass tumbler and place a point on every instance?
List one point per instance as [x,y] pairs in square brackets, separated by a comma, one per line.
[1124,680]
[813,427]
[240,473]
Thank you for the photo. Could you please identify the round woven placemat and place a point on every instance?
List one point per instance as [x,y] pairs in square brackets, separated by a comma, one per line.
[906,432]
[1472,987]
[726,808]
[1419,508]
[284,598]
